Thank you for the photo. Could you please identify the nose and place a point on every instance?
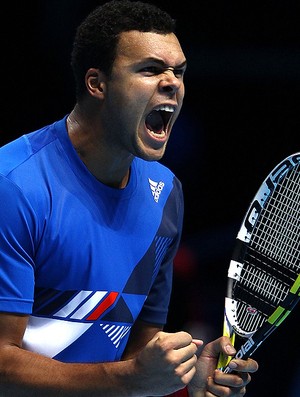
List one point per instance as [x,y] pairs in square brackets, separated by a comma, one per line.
[170,82]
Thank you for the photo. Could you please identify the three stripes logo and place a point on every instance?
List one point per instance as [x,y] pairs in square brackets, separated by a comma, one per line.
[156,188]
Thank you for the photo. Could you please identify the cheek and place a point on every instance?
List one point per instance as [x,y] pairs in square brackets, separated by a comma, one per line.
[181,92]
[130,98]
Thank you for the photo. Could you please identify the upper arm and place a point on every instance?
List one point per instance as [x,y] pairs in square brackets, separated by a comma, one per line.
[140,335]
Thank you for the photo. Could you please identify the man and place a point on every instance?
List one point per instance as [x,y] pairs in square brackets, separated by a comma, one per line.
[90,223]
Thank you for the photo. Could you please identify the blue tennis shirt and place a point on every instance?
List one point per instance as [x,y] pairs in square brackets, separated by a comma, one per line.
[84,260]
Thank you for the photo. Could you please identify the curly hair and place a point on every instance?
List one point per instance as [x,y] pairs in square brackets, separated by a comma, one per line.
[96,37]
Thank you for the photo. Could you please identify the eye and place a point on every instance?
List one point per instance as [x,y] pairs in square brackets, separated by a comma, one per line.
[156,70]
[152,70]
[179,72]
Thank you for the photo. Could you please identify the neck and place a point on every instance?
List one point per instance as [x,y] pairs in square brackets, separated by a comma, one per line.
[103,161]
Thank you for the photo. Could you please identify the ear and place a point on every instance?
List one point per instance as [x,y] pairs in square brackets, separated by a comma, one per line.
[95,82]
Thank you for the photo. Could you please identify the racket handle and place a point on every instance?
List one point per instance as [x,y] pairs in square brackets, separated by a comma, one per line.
[223,361]
[227,331]
[246,350]
[226,369]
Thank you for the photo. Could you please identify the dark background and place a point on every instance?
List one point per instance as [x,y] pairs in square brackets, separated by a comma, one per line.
[239,119]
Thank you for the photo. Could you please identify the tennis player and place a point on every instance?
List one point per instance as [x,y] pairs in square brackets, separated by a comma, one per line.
[90,222]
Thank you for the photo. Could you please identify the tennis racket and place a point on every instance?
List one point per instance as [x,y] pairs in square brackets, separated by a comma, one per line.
[263,281]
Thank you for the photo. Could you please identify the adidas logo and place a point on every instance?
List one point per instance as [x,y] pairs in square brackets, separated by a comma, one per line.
[156,188]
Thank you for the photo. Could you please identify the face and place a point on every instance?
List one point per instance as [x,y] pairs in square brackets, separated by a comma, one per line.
[144,93]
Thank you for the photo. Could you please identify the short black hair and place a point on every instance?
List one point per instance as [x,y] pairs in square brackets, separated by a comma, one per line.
[97,36]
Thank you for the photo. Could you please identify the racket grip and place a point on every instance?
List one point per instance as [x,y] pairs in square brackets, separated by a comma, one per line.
[245,351]
[223,358]
[223,361]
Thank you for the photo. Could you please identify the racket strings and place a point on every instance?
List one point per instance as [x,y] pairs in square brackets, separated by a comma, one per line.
[272,259]
[267,265]
[288,251]
[277,231]
[249,317]
[257,294]
[261,285]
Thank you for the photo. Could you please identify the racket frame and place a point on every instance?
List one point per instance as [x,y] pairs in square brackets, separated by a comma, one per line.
[253,339]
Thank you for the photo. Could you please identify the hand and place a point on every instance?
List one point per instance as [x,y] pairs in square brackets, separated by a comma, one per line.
[167,362]
[209,382]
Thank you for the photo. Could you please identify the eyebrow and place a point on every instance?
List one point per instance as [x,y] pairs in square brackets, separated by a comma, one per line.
[164,65]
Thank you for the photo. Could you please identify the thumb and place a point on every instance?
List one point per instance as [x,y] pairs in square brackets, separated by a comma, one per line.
[220,345]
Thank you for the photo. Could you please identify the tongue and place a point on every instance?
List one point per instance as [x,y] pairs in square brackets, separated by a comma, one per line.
[154,122]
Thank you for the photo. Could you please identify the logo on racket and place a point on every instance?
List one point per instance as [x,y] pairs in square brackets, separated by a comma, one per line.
[245,348]
[251,310]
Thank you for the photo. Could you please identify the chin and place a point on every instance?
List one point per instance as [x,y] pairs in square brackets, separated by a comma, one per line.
[154,155]
[149,153]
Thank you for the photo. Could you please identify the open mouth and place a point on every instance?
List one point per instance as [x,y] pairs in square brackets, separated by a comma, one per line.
[158,120]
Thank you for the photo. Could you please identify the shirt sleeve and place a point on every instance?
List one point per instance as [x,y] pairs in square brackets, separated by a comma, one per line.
[16,253]
[156,306]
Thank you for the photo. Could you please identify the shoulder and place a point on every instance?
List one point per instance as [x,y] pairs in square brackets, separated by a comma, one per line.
[26,165]
[16,154]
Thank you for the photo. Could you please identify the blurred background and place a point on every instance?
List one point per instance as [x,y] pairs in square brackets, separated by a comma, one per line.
[239,119]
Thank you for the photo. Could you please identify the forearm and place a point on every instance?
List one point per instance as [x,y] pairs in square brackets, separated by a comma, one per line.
[24,373]
[187,392]
[196,393]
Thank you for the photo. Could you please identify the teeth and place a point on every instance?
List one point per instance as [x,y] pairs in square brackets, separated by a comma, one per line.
[166,108]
